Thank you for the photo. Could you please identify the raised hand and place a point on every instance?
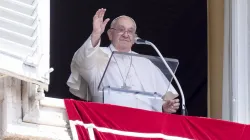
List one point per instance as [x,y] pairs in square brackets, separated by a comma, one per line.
[98,23]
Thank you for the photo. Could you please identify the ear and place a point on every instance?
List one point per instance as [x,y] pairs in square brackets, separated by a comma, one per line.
[136,35]
[134,38]
[109,34]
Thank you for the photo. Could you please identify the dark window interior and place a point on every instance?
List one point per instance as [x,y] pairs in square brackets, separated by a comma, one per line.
[177,28]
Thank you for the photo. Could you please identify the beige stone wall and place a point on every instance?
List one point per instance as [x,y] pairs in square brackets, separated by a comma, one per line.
[215,56]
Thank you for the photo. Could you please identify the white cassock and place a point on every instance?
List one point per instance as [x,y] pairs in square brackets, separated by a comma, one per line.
[88,66]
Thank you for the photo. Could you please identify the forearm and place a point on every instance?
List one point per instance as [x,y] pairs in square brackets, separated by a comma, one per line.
[86,54]
[95,39]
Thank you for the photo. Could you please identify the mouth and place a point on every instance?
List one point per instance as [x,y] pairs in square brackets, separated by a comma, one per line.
[124,40]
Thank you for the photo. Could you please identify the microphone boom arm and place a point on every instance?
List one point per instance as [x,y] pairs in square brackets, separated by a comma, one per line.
[141,41]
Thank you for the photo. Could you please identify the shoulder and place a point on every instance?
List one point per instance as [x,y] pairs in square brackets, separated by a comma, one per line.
[134,52]
[105,50]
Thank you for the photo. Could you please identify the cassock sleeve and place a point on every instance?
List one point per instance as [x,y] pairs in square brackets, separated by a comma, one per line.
[83,69]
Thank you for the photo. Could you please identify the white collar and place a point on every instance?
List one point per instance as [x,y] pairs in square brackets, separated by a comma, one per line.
[114,49]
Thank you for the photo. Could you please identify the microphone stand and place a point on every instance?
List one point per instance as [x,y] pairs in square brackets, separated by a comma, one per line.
[141,41]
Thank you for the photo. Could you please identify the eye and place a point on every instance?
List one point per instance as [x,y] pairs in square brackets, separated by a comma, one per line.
[121,30]
[131,31]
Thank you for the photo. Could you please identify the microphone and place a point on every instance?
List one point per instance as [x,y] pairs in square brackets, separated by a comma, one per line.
[145,42]
[138,40]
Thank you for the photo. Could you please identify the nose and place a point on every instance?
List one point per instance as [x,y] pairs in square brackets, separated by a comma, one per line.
[125,34]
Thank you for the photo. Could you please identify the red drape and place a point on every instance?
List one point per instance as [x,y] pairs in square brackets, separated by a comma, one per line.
[147,122]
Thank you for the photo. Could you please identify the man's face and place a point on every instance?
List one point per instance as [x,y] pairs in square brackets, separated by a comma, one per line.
[122,34]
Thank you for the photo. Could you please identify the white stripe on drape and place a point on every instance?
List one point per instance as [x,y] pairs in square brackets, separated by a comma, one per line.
[119,132]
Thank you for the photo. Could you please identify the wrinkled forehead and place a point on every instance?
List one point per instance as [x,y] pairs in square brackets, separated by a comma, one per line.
[124,21]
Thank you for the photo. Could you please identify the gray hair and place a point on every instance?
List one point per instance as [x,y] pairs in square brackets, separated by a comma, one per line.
[115,20]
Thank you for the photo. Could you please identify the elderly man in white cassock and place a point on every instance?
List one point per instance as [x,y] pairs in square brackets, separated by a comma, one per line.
[90,60]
